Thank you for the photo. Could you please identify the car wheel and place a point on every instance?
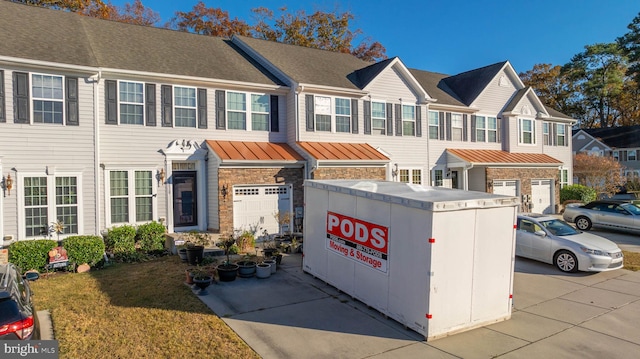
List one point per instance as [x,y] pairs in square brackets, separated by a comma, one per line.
[583,223]
[566,261]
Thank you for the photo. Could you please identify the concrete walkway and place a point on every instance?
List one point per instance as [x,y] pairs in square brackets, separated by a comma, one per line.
[556,315]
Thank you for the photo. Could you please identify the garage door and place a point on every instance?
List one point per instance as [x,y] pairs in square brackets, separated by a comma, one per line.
[541,196]
[507,188]
[257,205]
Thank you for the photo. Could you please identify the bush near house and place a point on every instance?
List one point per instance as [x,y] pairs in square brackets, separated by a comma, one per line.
[84,249]
[121,241]
[28,255]
[577,192]
[150,236]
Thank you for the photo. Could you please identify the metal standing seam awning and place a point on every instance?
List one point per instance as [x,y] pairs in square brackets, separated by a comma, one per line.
[497,158]
[325,154]
[255,153]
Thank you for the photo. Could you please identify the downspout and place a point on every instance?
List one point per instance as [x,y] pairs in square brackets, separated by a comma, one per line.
[96,149]
[466,176]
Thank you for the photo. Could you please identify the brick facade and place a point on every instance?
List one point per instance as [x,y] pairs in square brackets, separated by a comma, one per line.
[525,175]
[259,176]
[324,173]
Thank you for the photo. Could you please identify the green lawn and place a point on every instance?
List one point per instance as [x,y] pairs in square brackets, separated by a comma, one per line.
[141,310]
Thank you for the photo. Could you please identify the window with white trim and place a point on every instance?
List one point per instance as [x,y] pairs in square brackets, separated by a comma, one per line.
[49,199]
[131,101]
[616,156]
[456,127]
[481,129]
[260,112]
[343,115]
[410,175]
[408,120]
[545,134]
[564,177]
[378,118]
[131,196]
[561,137]
[438,176]
[47,93]
[492,129]
[434,125]
[236,110]
[185,106]
[527,131]
[631,155]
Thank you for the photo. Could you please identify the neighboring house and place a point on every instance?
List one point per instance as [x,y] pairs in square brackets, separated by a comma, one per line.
[621,143]
[104,123]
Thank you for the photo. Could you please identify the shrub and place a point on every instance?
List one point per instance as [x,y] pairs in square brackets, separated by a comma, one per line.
[577,192]
[150,236]
[28,255]
[84,249]
[121,240]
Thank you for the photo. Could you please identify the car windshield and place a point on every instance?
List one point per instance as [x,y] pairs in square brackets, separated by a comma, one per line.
[558,227]
[631,208]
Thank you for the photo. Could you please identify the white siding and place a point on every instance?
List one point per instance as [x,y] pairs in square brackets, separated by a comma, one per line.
[495,97]
[389,86]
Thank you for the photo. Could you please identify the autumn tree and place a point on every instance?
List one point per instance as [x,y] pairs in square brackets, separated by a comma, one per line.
[135,13]
[553,87]
[209,21]
[604,174]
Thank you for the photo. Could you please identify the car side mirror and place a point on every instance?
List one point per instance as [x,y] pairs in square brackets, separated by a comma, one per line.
[540,233]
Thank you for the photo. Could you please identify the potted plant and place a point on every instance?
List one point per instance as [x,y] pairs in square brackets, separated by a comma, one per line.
[246,242]
[182,252]
[247,267]
[263,270]
[227,271]
[284,221]
[202,279]
[195,243]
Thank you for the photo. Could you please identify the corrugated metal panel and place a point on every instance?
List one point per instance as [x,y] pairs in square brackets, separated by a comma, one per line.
[341,151]
[495,156]
[259,151]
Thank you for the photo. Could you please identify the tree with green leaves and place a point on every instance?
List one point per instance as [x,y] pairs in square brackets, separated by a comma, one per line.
[598,74]
[630,43]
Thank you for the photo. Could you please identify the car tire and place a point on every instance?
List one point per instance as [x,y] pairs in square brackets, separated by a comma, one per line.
[566,261]
[583,223]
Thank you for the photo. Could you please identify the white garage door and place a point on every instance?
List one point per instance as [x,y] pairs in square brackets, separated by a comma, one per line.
[257,205]
[507,188]
[541,196]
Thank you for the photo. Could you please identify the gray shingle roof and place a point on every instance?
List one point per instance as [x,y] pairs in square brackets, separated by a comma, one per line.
[433,83]
[310,66]
[617,137]
[62,37]
[468,85]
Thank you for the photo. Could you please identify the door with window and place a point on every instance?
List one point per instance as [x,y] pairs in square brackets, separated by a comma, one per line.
[185,209]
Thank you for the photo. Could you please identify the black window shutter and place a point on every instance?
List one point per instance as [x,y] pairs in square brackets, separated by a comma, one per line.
[275,114]
[498,129]
[150,104]
[221,112]
[441,117]
[71,100]
[552,136]
[202,108]
[448,121]
[20,97]
[398,120]
[389,119]
[367,117]
[310,113]
[465,126]
[354,116]
[3,115]
[418,121]
[473,128]
[111,102]
[166,93]
[567,131]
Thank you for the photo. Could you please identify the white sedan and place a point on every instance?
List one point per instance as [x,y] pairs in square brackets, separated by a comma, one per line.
[551,240]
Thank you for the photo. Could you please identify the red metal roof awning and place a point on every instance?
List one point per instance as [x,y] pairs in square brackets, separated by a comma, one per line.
[498,157]
[254,151]
[335,151]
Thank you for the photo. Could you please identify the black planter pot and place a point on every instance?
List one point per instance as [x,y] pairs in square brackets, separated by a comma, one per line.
[227,272]
[202,283]
[182,252]
[268,252]
[246,269]
[278,258]
[194,255]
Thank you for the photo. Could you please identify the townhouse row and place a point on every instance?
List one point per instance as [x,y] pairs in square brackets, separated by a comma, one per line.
[104,123]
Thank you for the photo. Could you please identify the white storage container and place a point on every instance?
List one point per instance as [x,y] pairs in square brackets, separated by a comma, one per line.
[437,260]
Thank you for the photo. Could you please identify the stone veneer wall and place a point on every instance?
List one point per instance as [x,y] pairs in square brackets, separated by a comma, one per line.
[258,176]
[323,173]
[525,175]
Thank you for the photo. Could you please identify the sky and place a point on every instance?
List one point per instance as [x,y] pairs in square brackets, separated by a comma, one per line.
[453,36]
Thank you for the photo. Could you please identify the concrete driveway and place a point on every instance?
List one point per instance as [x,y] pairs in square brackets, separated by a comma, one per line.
[556,315]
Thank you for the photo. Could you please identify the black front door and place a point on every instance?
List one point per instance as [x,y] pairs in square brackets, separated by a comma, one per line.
[454,179]
[185,210]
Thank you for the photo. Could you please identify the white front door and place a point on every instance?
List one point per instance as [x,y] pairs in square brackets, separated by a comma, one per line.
[256,206]
[541,196]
